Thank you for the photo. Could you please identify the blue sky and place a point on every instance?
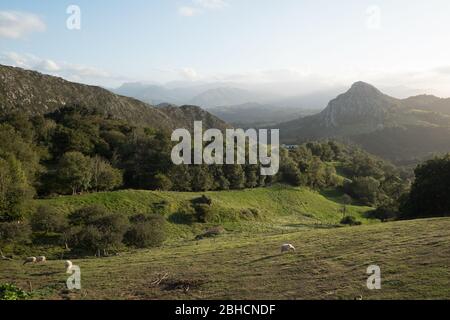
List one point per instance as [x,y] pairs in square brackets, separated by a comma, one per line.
[318,42]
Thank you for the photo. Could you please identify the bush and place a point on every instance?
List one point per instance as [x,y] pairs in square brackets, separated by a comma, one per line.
[204,213]
[11,292]
[202,200]
[95,230]
[384,213]
[203,210]
[350,221]
[48,219]
[17,231]
[146,231]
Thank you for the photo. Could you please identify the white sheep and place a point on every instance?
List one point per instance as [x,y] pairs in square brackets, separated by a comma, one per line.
[69,266]
[287,247]
[30,260]
[41,259]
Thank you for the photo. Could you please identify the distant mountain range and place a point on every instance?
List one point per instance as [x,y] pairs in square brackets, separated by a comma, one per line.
[205,95]
[401,130]
[258,115]
[241,107]
[34,93]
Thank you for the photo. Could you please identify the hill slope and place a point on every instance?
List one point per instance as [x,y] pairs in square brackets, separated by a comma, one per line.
[34,93]
[279,207]
[329,264]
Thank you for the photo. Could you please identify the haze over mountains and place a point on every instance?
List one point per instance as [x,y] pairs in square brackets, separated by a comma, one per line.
[232,102]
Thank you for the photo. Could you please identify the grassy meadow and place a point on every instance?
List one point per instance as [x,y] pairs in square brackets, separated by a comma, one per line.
[245,261]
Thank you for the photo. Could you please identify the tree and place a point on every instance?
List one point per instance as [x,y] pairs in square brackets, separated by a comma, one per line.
[202,179]
[16,231]
[290,173]
[365,189]
[48,219]
[13,144]
[181,178]
[430,191]
[162,182]
[317,174]
[235,175]
[104,176]
[14,189]
[251,176]
[75,172]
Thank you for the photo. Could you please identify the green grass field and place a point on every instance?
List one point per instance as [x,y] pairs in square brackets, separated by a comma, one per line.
[414,257]
[245,262]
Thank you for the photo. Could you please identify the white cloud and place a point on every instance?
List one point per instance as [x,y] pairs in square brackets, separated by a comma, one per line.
[16,24]
[200,6]
[48,65]
[211,4]
[186,11]
[189,73]
[69,71]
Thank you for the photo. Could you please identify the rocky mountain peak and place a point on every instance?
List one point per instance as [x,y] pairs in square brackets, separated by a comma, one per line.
[362,103]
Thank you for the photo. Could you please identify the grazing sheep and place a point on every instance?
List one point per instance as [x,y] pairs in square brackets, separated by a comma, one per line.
[30,260]
[69,266]
[287,247]
[41,259]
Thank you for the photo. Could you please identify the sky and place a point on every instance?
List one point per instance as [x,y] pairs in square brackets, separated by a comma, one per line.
[303,45]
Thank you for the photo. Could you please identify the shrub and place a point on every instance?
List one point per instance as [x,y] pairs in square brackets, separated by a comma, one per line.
[146,231]
[202,200]
[17,231]
[350,221]
[11,292]
[94,229]
[384,213]
[204,213]
[48,219]
[203,210]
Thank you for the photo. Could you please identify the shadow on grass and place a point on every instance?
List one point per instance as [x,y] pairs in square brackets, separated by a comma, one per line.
[264,259]
[45,274]
[312,226]
[181,218]
[335,195]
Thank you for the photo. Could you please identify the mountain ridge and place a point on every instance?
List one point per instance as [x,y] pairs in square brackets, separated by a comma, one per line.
[34,93]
